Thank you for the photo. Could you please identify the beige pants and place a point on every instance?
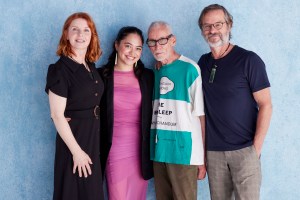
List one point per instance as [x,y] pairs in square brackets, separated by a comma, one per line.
[234,174]
[178,182]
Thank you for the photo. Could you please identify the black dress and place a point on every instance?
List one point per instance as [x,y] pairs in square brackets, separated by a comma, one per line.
[83,91]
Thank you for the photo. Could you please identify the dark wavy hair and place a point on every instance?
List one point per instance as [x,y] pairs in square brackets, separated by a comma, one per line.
[124,32]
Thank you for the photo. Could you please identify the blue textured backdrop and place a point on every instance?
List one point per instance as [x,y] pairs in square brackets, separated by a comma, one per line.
[29,35]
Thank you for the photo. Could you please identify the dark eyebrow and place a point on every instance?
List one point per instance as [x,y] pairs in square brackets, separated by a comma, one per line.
[132,44]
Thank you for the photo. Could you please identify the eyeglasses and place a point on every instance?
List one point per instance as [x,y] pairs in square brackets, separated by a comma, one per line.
[217,25]
[161,41]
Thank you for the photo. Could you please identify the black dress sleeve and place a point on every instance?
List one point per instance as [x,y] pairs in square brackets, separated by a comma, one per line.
[56,81]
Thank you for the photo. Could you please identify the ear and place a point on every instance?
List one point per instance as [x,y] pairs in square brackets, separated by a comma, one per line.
[65,34]
[202,33]
[230,25]
[116,45]
[173,40]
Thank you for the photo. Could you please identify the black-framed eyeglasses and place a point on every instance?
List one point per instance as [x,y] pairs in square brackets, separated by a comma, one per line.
[161,41]
[217,25]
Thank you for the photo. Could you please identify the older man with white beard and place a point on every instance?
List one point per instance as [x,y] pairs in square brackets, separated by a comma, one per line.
[238,109]
[178,121]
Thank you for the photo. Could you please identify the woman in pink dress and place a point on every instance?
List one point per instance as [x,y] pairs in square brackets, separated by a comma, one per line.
[126,110]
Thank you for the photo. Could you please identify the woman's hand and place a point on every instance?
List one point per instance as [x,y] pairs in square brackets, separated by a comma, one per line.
[82,162]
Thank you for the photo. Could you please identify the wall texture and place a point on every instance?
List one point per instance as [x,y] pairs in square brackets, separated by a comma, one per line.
[29,35]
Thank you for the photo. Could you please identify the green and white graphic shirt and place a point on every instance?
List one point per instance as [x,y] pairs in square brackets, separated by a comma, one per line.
[176,135]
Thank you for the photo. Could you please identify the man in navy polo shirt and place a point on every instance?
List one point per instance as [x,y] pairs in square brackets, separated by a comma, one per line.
[238,109]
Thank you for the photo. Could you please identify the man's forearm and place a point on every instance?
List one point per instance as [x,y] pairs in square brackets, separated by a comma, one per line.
[262,126]
[202,122]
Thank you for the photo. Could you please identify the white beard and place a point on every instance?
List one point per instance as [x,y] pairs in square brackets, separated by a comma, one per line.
[224,39]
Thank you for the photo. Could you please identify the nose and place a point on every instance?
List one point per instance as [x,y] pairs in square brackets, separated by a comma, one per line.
[157,45]
[212,29]
[80,32]
[131,52]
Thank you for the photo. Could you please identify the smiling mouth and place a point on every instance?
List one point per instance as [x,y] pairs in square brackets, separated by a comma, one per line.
[159,53]
[80,41]
[130,57]
[214,36]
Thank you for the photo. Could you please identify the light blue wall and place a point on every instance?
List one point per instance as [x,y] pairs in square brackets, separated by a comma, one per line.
[29,35]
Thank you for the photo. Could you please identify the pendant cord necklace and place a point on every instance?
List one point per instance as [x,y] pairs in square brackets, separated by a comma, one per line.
[214,68]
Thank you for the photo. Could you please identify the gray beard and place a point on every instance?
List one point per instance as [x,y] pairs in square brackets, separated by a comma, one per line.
[224,40]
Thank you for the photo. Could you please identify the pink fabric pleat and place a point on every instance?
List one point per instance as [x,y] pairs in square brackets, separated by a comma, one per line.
[123,171]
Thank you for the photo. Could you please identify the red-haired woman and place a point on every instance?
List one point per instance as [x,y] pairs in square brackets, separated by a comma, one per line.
[75,89]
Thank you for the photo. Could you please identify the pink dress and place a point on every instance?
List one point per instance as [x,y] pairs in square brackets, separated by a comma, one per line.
[123,170]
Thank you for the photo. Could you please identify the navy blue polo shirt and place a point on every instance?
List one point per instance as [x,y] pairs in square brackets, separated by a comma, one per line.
[230,108]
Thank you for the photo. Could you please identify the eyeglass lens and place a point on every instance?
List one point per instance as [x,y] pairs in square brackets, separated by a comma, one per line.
[217,25]
[161,41]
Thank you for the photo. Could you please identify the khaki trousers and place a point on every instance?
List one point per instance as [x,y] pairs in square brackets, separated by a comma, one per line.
[234,174]
[172,181]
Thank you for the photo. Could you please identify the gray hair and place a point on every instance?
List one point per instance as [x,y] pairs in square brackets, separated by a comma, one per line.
[160,23]
[228,16]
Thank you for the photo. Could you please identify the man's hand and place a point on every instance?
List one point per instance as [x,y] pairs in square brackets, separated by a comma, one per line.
[201,172]
[257,149]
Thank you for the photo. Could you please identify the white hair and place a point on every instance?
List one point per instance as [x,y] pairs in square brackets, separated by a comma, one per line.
[158,24]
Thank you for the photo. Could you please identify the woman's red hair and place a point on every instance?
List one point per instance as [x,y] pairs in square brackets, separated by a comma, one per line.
[64,47]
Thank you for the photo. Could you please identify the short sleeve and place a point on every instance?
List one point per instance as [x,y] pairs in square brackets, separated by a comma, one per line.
[196,93]
[56,81]
[256,73]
